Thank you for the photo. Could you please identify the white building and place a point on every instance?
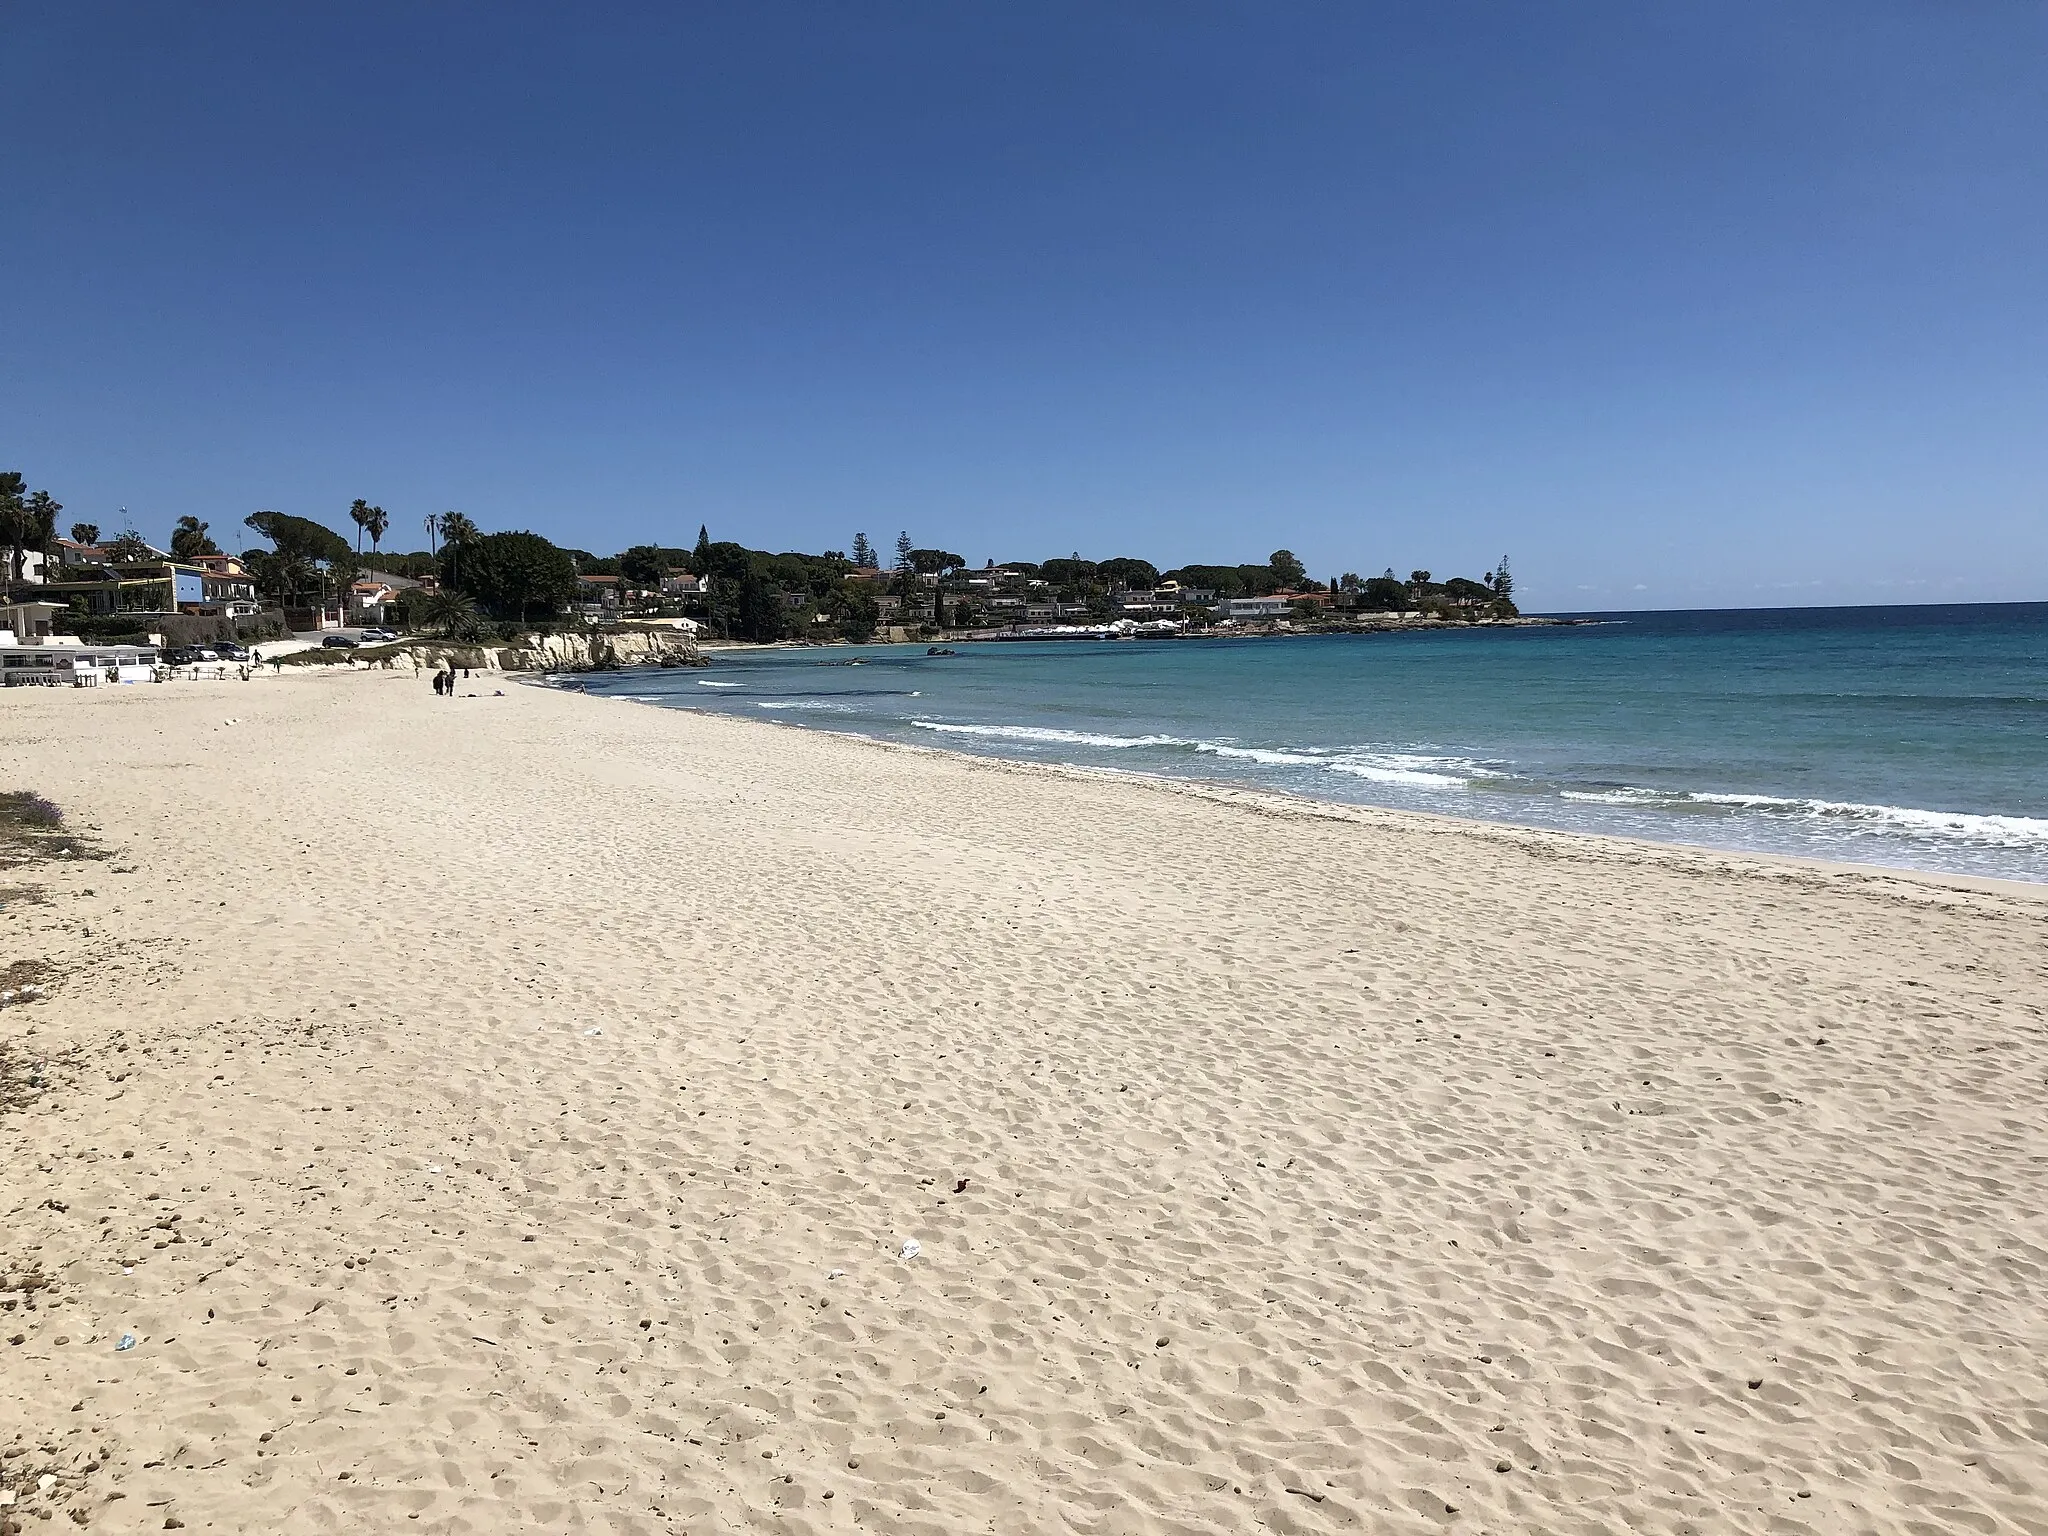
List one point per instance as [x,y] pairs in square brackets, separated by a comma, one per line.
[1254,608]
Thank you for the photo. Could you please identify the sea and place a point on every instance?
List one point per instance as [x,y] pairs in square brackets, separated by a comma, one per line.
[1913,737]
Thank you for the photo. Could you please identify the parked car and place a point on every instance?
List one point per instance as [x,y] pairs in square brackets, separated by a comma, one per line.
[227,650]
[338,643]
[181,655]
[380,635]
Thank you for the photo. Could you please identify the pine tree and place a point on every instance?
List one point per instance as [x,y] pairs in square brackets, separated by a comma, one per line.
[700,557]
[863,551]
[1503,582]
[903,548]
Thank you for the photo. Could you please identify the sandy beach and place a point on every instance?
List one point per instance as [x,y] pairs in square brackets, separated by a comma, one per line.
[512,1115]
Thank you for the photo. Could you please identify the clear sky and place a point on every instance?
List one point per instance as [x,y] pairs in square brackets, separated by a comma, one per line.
[1678,305]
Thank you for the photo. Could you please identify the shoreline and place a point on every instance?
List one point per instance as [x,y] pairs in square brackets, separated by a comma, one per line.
[1227,791]
[514,1113]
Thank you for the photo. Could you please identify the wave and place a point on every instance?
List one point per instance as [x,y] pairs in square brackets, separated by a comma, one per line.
[821,704]
[2000,831]
[1380,774]
[1847,816]
[1050,734]
[705,682]
[1380,767]
[1261,755]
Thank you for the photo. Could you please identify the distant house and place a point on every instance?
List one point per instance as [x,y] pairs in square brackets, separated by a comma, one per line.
[34,566]
[224,590]
[228,565]
[1146,603]
[73,555]
[27,623]
[598,596]
[685,585]
[1253,608]
[871,575]
[367,599]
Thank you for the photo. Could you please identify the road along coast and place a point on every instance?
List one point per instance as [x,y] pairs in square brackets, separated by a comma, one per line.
[513,1113]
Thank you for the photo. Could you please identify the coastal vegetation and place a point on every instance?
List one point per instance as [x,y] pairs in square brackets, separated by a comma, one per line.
[469,579]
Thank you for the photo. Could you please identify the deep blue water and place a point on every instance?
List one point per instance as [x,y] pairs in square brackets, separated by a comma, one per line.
[1915,737]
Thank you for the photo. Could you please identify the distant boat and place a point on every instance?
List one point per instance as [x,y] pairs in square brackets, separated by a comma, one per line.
[940,650]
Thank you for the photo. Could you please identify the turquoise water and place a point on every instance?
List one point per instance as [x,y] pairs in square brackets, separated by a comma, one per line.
[1914,737]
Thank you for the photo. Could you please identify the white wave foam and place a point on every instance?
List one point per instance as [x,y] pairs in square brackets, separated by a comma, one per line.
[1049,734]
[824,704]
[1261,755]
[1380,774]
[2000,831]
[705,682]
[1621,796]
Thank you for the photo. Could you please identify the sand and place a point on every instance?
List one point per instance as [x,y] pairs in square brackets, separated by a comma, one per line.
[507,1115]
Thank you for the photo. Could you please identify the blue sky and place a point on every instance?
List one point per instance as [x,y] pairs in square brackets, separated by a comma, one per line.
[1677,305]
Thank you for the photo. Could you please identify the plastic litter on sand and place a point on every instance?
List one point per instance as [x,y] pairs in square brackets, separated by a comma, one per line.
[911,1248]
[127,1341]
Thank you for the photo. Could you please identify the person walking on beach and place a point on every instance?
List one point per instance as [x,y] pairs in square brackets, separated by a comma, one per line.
[438,681]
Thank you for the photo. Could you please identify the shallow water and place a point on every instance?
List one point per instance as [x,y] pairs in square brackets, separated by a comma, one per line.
[1914,737]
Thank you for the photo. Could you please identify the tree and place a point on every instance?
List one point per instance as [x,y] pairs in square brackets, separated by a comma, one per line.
[761,610]
[934,562]
[1385,593]
[457,533]
[129,547]
[863,552]
[513,573]
[1288,571]
[1348,582]
[359,514]
[903,551]
[304,555]
[1128,574]
[1503,581]
[644,565]
[376,523]
[854,611]
[453,614]
[701,555]
[85,533]
[189,539]
[14,518]
[1068,574]
[27,520]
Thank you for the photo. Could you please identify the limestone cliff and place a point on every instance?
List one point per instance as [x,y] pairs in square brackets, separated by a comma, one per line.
[594,651]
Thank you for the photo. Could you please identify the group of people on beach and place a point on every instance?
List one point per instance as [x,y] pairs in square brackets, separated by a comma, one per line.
[444,682]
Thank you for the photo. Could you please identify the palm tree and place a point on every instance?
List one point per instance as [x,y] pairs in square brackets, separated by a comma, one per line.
[189,538]
[452,614]
[375,524]
[85,533]
[359,514]
[456,531]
